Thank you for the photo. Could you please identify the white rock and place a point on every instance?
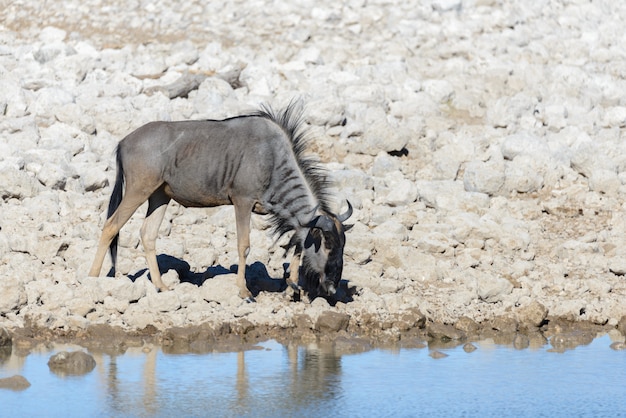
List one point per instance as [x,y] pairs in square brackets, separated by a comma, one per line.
[122,288]
[53,176]
[385,164]
[352,179]
[50,51]
[492,289]
[440,90]
[391,230]
[555,116]
[587,157]
[171,278]
[48,99]
[381,135]
[57,296]
[221,289]
[402,193]
[484,177]
[80,305]
[17,184]
[259,81]
[163,301]
[210,96]
[617,265]
[604,181]
[12,99]
[446,5]
[523,144]
[51,34]
[114,304]
[182,53]
[93,176]
[13,296]
[188,294]
[434,242]
[522,175]
[447,195]
[615,117]
[326,111]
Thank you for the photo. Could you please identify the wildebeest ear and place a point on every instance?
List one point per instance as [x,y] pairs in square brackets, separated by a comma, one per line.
[313,238]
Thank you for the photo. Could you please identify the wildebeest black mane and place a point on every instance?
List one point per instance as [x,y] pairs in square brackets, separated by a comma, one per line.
[291,120]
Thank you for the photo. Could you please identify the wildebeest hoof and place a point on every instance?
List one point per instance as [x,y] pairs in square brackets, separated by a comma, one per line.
[245,294]
[250,299]
[292,292]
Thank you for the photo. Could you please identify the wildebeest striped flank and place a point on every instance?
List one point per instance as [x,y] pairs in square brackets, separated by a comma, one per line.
[256,163]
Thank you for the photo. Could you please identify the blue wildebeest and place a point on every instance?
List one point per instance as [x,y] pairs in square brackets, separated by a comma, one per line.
[254,162]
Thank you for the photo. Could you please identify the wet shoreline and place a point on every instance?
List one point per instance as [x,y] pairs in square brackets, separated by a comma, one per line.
[561,335]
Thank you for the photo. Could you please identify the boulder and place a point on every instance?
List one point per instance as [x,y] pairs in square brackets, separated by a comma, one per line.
[71,363]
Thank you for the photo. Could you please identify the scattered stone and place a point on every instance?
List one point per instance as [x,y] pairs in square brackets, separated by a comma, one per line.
[437,354]
[16,383]
[570,340]
[467,325]
[71,363]
[484,177]
[163,301]
[444,332]
[617,265]
[330,321]
[493,289]
[469,347]
[533,314]
[618,346]
[521,342]
[5,338]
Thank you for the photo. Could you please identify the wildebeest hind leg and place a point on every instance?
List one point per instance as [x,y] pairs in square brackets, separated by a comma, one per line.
[112,226]
[157,204]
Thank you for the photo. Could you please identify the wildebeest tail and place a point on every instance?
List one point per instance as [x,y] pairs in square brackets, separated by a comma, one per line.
[114,203]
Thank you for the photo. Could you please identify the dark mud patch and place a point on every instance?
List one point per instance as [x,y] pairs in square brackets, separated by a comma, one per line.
[347,334]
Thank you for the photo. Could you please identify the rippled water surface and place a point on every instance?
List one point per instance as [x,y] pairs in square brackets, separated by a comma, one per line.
[275,380]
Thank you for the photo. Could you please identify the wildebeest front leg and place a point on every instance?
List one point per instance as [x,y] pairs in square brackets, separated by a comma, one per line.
[157,204]
[293,287]
[243,212]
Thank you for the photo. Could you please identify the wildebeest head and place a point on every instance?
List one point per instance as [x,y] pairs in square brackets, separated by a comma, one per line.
[322,258]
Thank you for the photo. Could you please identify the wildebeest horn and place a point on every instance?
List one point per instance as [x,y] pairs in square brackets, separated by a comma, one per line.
[344,216]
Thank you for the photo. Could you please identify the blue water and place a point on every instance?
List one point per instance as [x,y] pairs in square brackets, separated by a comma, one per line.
[277,381]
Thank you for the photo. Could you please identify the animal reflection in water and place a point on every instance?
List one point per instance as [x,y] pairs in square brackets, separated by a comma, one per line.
[310,375]
[256,163]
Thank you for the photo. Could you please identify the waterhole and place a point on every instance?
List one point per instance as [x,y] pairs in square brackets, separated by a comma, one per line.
[275,380]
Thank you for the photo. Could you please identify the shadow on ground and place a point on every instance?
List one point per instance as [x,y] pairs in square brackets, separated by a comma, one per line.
[257,277]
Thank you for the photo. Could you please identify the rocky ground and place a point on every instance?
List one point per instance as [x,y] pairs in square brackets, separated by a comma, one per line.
[480,142]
